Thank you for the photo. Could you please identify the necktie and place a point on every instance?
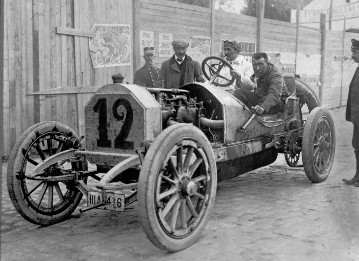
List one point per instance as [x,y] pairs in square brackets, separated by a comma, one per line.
[179,60]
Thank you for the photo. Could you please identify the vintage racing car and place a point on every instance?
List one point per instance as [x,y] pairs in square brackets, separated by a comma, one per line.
[165,148]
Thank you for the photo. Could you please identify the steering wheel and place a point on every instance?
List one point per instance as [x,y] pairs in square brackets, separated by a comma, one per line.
[212,66]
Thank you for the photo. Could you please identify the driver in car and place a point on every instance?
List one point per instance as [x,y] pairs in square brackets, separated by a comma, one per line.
[270,91]
[242,69]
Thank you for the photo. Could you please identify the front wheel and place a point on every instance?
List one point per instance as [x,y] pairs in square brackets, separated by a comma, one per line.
[52,197]
[318,145]
[177,187]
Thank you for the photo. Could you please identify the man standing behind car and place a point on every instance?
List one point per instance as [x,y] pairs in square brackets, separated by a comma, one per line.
[270,90]
[180,68]
[242,69]
[352,112]
[148,75]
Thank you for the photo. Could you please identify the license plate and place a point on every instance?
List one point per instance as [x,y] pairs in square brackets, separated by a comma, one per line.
[112,200]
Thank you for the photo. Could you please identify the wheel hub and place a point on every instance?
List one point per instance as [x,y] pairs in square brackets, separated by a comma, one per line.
[188,187]
[322,144]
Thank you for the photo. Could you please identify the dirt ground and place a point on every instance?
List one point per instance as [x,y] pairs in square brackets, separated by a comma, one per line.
[273,213]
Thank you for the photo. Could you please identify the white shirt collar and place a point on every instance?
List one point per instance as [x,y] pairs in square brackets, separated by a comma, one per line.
[176,57]
[238,60]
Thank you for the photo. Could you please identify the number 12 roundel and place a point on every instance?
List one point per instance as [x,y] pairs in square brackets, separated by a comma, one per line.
[122,112]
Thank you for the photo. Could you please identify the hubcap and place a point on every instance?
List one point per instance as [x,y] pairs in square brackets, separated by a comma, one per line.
[188,187]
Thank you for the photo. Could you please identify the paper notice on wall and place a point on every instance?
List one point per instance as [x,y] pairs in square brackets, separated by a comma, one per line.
[165,45]
[146,40]
[284,61]
[199,48]
[308,64]
[111,45]
[287,58]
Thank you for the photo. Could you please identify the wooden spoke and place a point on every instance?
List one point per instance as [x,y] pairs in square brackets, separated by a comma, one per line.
[191,207]
[194,167]
[187,159]
[175,215]
[40,152]
[198,195]
[49,146]
[28,194]
[172,167]
[59,192]
[183,214]
[167,193]
[179,159]
[199,178]
[169,205]
[42,193]
[51,196]
[33,162]
[165,178]
[59,147]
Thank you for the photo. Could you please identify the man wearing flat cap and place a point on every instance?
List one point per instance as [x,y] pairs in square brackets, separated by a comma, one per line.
[242,69]
[352,112]
[180,68]
[148,75]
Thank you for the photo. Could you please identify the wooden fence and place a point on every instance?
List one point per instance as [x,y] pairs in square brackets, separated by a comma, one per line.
[49,75]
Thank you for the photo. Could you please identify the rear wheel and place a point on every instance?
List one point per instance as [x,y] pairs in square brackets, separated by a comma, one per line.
[318,145]
[51,197]
[307,96]
[177,187]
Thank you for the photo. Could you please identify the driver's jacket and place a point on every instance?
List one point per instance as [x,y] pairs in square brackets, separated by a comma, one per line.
[271,88]
[243,67]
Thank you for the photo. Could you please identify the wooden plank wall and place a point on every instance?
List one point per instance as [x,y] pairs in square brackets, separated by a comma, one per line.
[39,60]
[58,69]
[182,20]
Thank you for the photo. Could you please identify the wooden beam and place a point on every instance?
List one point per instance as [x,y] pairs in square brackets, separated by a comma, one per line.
[2,24]
[323,32]
[342,61]
[260,18]
[136,58]
[213,25]
[297,38]
[66,90]
[74,32]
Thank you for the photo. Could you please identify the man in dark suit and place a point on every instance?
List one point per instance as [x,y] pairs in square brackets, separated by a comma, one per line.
[352,112]
[180,68]
[148,75]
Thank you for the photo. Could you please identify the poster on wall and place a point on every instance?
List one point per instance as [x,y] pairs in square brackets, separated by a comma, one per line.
[165,46]
[146,40]
[284,61]
[308,66]
[111,45]
[199,48]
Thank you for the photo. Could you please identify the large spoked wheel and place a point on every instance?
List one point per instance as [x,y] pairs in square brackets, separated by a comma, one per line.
[177,187]
[318,145]
[212,69]
[51,197]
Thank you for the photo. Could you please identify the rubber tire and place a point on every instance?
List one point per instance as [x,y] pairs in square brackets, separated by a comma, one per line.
[308,144]
[148,179]
[309,95]
[14,184]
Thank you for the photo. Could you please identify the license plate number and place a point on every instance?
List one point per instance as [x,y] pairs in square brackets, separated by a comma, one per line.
[113,200]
